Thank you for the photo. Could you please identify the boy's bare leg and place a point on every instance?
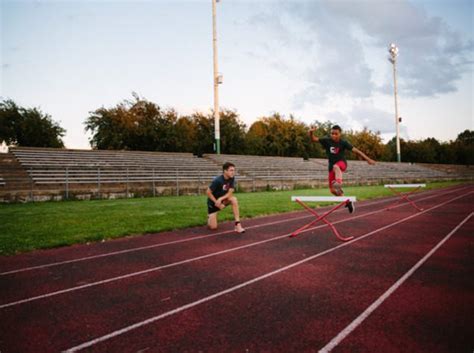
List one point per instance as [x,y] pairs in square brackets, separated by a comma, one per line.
[336,187]
[235,209]
[338,172]
[212,221]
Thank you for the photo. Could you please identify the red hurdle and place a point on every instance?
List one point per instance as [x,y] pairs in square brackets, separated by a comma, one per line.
[343,200]
[404,196]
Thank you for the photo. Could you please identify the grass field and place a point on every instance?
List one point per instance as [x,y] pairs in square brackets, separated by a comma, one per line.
[26,227]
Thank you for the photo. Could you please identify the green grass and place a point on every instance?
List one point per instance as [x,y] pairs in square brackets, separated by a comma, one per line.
[25,227]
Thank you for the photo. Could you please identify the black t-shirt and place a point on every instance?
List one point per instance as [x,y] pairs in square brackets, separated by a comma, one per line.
[220,186]
[335,150]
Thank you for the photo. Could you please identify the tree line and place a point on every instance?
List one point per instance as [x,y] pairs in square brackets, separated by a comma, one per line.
[142,125]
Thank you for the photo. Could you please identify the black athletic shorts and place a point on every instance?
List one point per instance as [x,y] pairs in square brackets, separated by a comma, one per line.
[211,207]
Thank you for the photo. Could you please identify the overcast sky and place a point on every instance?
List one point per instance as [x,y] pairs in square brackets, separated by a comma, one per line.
[324,60]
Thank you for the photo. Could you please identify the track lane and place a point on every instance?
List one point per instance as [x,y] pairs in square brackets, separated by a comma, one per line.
[298,310]
[24,287]
[432,311]
[44,259]
[99,310]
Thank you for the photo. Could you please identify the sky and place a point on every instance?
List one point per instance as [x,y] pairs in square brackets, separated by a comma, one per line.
[316,60]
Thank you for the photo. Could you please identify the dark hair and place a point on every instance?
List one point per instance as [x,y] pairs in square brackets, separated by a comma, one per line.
[227,165]
[336,127]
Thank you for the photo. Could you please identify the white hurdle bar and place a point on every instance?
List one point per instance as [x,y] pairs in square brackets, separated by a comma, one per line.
[404,196]
[405,185]
[324,198]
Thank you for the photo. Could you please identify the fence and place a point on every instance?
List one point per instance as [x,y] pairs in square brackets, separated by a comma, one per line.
[101,180]
[84,182]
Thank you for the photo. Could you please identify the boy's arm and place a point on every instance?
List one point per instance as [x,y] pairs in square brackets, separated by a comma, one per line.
[210,195]
[311,135]
[363,155]
[228,195]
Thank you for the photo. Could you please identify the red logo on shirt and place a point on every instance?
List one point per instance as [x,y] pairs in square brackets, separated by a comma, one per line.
[334,150]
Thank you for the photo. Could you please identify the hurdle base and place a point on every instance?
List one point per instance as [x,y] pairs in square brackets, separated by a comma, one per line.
[404,196]
[322,218]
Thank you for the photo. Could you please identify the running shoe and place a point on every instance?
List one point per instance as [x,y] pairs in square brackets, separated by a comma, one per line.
[238,228]
[350,206]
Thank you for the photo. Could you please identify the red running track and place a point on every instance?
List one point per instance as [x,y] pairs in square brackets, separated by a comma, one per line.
[191,291]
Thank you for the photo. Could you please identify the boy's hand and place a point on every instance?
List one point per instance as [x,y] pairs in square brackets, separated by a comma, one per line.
[371,161]
[219,204]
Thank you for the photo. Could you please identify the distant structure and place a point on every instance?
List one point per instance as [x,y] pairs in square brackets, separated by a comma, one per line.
[3,147]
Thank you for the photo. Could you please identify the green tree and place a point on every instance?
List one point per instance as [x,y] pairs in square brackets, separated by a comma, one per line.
[464,147]
[136,124]
[185,131]
[431,149]
[110,128]
[390,151]
[28,127]
[204,125]
[447,153]
[255,139]
[367,141]
[276,135]
[232,132]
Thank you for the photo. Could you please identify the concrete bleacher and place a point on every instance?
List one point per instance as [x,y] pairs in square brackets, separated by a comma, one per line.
[274,168]
[57,166]
[55,174]
[464,171]
[391,171]
[291,168]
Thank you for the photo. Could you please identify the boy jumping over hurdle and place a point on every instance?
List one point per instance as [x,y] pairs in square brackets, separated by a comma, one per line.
[220,194]
[335,147]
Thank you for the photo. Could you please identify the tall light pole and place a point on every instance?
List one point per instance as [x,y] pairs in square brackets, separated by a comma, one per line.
[217,80]
[393,50]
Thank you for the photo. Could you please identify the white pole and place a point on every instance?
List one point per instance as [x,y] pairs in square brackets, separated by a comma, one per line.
[397,118]
[217,131]
[393,50]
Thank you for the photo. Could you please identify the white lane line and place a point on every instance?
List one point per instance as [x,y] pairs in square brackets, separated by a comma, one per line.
[155,245]
[144,247]
[92,257]
[157,268]
[247,283]
[354,324]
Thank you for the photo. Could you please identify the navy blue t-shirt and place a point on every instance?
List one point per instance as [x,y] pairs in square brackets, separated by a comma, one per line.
[335,150]
[220,186]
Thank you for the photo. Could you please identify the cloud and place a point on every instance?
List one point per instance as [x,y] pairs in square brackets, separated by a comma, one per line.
[316,50]
[341,48]
[432,56]
[376,119]
[364,115]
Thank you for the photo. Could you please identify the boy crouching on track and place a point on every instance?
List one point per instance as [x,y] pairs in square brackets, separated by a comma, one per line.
[335,147]
[220,194]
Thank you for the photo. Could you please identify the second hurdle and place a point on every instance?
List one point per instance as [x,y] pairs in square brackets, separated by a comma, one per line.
[404,196]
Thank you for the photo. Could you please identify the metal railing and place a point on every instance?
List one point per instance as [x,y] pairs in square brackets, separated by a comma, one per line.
[100,181]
